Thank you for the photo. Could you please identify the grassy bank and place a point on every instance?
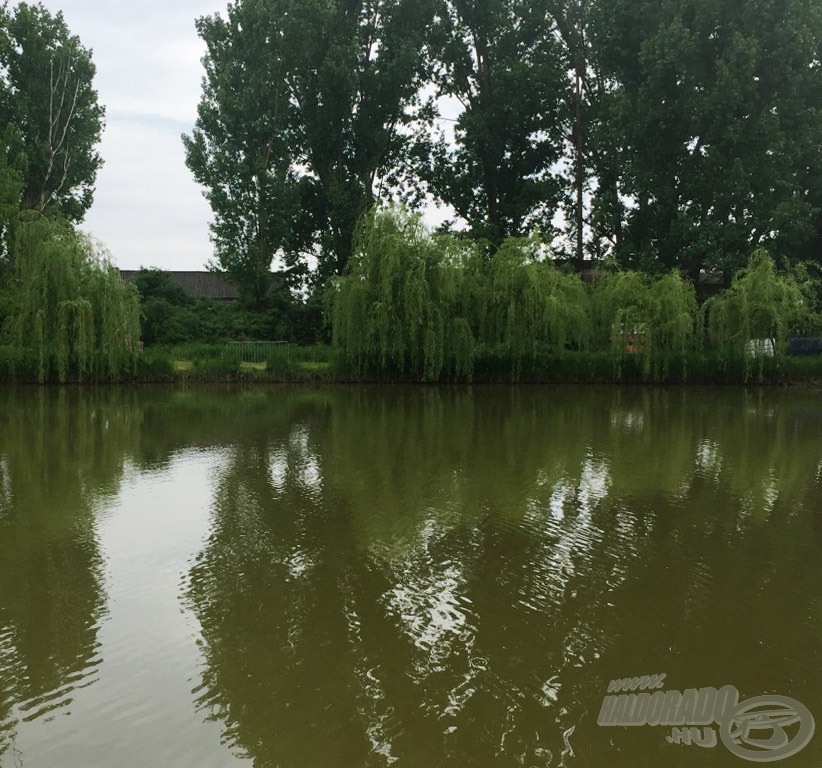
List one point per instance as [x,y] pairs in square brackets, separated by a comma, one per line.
[193,363]
[202,363]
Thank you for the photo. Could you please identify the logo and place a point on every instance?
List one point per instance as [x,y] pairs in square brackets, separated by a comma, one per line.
[761,729]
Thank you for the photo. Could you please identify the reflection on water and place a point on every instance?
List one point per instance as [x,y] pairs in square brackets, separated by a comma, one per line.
[50,586]
[419,576]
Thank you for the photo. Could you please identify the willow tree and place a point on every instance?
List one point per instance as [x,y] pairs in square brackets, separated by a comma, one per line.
[759,305]
[672,322]
[395,311]
[533,309]
[653,319]
[619,308]
[67,306]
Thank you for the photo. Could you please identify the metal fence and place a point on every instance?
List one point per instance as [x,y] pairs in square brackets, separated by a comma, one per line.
[253,351]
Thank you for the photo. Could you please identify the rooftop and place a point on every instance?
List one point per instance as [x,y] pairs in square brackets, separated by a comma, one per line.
[207,284]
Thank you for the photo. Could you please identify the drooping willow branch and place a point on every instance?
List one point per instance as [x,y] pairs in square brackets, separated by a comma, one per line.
[68,306]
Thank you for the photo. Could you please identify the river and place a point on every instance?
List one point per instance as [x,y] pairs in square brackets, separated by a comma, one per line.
[338,577]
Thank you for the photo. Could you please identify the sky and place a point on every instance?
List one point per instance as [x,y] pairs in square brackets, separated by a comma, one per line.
[148,210]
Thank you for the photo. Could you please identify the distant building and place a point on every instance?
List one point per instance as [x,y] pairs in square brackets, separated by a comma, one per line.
[195,284]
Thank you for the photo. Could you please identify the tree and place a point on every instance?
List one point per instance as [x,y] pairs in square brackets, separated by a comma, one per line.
[242,149]
[501,61]
[48,95]
[591,178]
[360,68]
[11,190]
[718,107]
[302,109]
[67,305]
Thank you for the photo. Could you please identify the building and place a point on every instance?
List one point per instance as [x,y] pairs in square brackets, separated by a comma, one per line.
[195,284]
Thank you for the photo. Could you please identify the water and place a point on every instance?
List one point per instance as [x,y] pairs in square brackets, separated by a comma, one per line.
[314,578]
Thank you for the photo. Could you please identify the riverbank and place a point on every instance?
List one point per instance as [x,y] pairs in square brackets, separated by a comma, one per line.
[197,364]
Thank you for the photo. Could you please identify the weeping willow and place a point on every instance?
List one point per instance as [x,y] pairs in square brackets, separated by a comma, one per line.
[672,324]
[533,309]
[650,318]
[760,304]
[399,308]
[427,306]
[68,306]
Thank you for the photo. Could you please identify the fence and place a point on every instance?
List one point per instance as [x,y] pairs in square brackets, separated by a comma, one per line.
[253,351]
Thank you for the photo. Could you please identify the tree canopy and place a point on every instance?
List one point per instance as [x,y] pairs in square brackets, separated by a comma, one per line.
[302,109]
[666,134]
[719,115]
[47,96]
[498,59]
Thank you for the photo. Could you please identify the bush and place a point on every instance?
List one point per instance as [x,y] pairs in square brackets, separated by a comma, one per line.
[280,360]
[219,364]
[154,364]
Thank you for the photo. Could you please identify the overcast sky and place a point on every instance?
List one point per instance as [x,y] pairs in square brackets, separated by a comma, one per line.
[147,208]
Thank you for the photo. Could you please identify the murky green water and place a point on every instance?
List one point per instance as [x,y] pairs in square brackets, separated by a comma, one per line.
[419,577]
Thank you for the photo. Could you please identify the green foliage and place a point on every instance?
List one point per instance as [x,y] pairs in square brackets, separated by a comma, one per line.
[68,305]
[672,322]
[760,304]
[395,311]
[169,316]
[500,60]
[302,107]
[531,308]
[436,308]
[429,307]
[716,112]
[12,163]
[808,320]
[279,359]
[669,134]
[154,365]
[17,365]
[221,364]
[620,308]
[241,149]
[650,318]
[212,362]
[157,284]
[48,97]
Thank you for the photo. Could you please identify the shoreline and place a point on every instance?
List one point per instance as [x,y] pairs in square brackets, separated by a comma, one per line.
[212,379]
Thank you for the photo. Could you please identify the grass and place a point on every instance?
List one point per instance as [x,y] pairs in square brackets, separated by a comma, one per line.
[210,362]
[204,363]
[314,365]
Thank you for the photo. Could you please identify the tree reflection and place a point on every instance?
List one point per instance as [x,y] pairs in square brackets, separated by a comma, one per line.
[448,577]
[60,456]
[63,456]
